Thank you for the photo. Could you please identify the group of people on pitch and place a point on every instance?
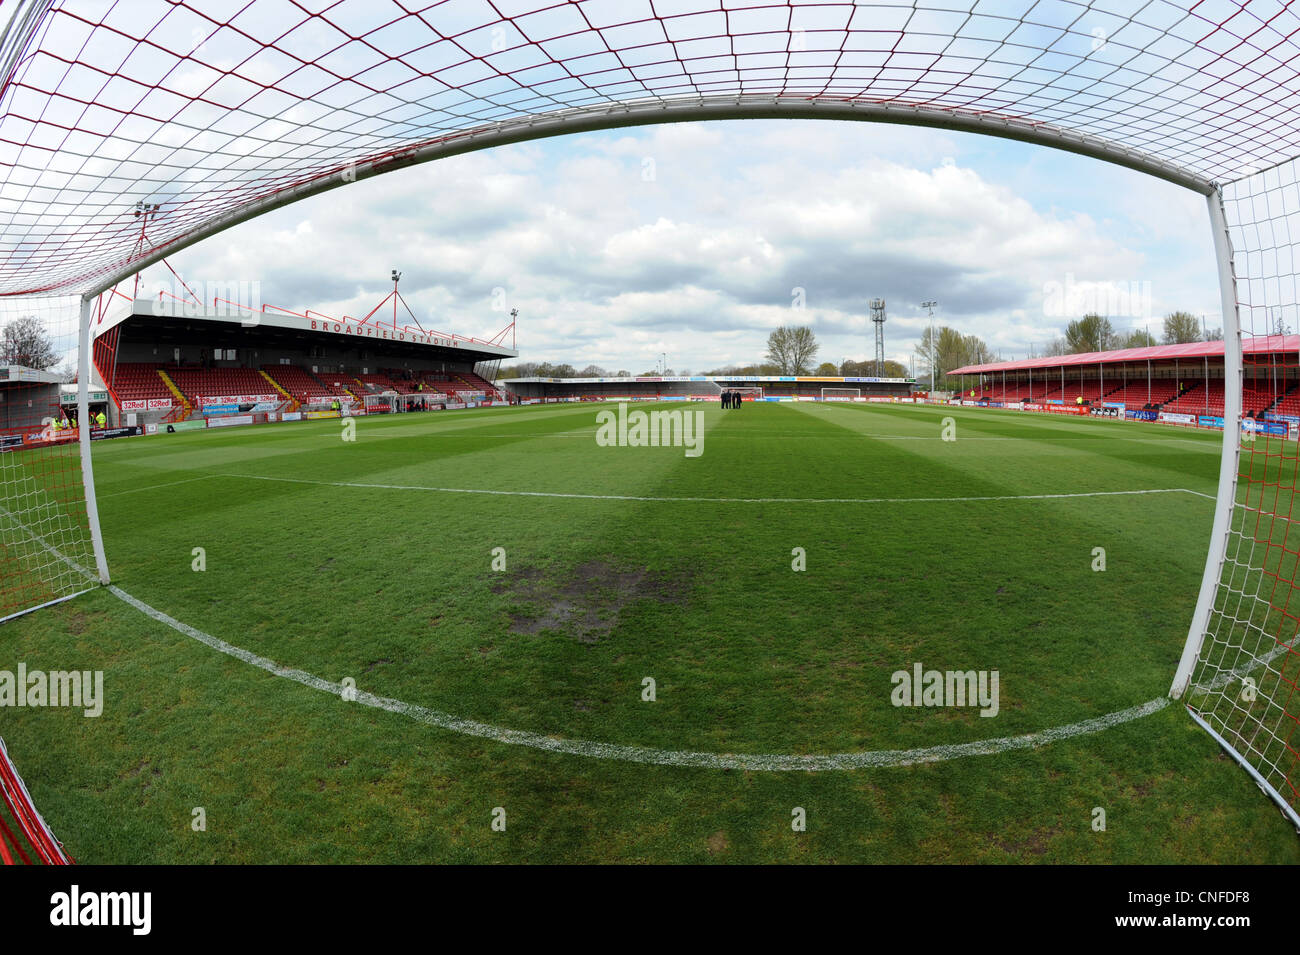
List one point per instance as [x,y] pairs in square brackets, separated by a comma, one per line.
[97,420]
[731,399]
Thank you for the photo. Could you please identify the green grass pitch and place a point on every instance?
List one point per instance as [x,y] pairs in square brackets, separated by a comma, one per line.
[372,561]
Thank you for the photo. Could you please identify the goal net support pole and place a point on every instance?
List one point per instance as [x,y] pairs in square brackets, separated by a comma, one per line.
[1237,673]
[83,434]
[1228,460]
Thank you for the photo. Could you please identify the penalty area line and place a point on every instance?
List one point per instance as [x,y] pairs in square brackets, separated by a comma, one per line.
[720,500]
[758,762]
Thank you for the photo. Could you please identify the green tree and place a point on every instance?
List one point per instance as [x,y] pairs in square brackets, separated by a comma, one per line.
[826,369]
[950,349]
[791,349]
[1138,338]
[1181,327]
[867,369]
[25,341]
[1088,334]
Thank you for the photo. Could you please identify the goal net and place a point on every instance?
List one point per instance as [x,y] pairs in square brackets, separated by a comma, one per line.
[46,550]
[193,119]
[25,838]
[1240,671]
[841,394]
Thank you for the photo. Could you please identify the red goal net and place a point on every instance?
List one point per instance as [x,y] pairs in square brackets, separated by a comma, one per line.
[25,838]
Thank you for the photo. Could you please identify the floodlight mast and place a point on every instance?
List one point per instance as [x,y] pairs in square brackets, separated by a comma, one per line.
[878,319]
[397,277]
[934,350]
[143,210]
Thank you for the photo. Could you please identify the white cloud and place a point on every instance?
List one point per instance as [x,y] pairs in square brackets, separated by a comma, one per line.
[700,261]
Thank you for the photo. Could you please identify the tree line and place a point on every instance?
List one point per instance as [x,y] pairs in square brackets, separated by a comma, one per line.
[25,341]
[792,350]
[1094,333]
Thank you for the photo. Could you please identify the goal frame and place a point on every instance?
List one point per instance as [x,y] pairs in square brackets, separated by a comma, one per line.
[983,111]
[83,434]
[857,392]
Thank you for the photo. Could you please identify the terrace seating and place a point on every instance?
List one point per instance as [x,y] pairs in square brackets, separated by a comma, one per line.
[1289,403]
[138,381]
[1138,394]
[399,380]
[432,386]
[302,385]
[197,383]
[477,383]
[1177,395]
[380,382]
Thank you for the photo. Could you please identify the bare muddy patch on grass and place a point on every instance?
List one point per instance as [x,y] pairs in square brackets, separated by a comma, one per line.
[588,605]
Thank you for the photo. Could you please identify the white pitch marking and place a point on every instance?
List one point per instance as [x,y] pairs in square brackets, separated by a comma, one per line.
[771,762]
[759,762]
[155,487]
[719,500]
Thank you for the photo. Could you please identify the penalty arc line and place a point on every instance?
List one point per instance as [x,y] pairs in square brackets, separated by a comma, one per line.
[758,762]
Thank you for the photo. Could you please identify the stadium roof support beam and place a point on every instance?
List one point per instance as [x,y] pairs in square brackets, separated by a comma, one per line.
[591,119]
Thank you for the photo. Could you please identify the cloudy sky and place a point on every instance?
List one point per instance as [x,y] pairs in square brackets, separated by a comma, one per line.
[695,240]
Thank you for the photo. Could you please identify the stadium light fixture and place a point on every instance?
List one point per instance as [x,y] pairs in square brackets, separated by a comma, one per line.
[934,351]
